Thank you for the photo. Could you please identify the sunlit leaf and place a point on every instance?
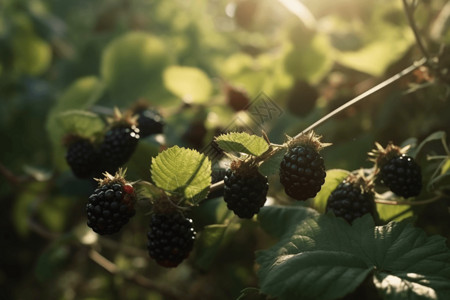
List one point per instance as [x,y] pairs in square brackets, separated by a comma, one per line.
[183,171]
[132,66]
[188,83]
[242,142]
[32,55]
[311,61]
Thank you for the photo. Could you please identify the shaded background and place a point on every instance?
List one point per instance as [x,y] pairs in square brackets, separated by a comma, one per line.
[65,64]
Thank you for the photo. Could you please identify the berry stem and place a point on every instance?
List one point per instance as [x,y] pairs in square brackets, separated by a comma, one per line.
[366,94]
[406,202]
[373,90]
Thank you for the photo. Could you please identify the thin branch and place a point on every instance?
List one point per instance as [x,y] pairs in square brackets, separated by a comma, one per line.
[132,277]
[406,202]
[412,23]
[40,230]
[392,79]
[11,177]
[366,94]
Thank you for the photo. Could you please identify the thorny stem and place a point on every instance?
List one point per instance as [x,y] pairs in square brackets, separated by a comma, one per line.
[392,79]
[409,13]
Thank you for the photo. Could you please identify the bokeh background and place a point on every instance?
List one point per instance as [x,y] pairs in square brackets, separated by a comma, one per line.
[202,64]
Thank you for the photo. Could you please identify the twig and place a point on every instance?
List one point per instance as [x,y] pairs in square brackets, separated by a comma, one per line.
[132,277]
[366,94]
[406,202]
[40,230]
[412,23]
[11,177]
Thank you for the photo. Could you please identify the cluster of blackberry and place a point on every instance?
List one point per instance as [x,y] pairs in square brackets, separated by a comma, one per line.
[89,158]
[394,169]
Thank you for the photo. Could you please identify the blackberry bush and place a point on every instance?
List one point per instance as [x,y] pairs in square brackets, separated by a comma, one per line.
[302,170]
[170,238]
[245,190]
[111,205]
[352,198]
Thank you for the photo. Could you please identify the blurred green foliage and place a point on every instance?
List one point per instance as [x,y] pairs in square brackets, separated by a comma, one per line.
[64,65]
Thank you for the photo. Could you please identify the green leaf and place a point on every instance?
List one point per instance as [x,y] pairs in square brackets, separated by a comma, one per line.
[183,171]
[242,142]
[311,61]
[211,240]
[272,165]
[32,55]
[332,180]
[317,275]
[251,294]
[386,48]
[275,220]
[82,123]
[132,66]
[188,83]
[438,135]
[394,212]
[79,95]
[446,166]
[312,256]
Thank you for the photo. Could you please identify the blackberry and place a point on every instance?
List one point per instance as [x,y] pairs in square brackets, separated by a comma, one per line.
[402,175]
[236,98]
[117,147]
[149,122]
[82,157]
[302,170]
[170,239]
[302,98]
[111,205]
[245,190]
[396,170]
[352,199]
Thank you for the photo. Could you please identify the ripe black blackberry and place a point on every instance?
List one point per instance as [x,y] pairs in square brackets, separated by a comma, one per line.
[398,171]
[302,170]
[81,156]
[352,198]
[111,205]
[119,143]
[245,189]
[170,238]
[150,122]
